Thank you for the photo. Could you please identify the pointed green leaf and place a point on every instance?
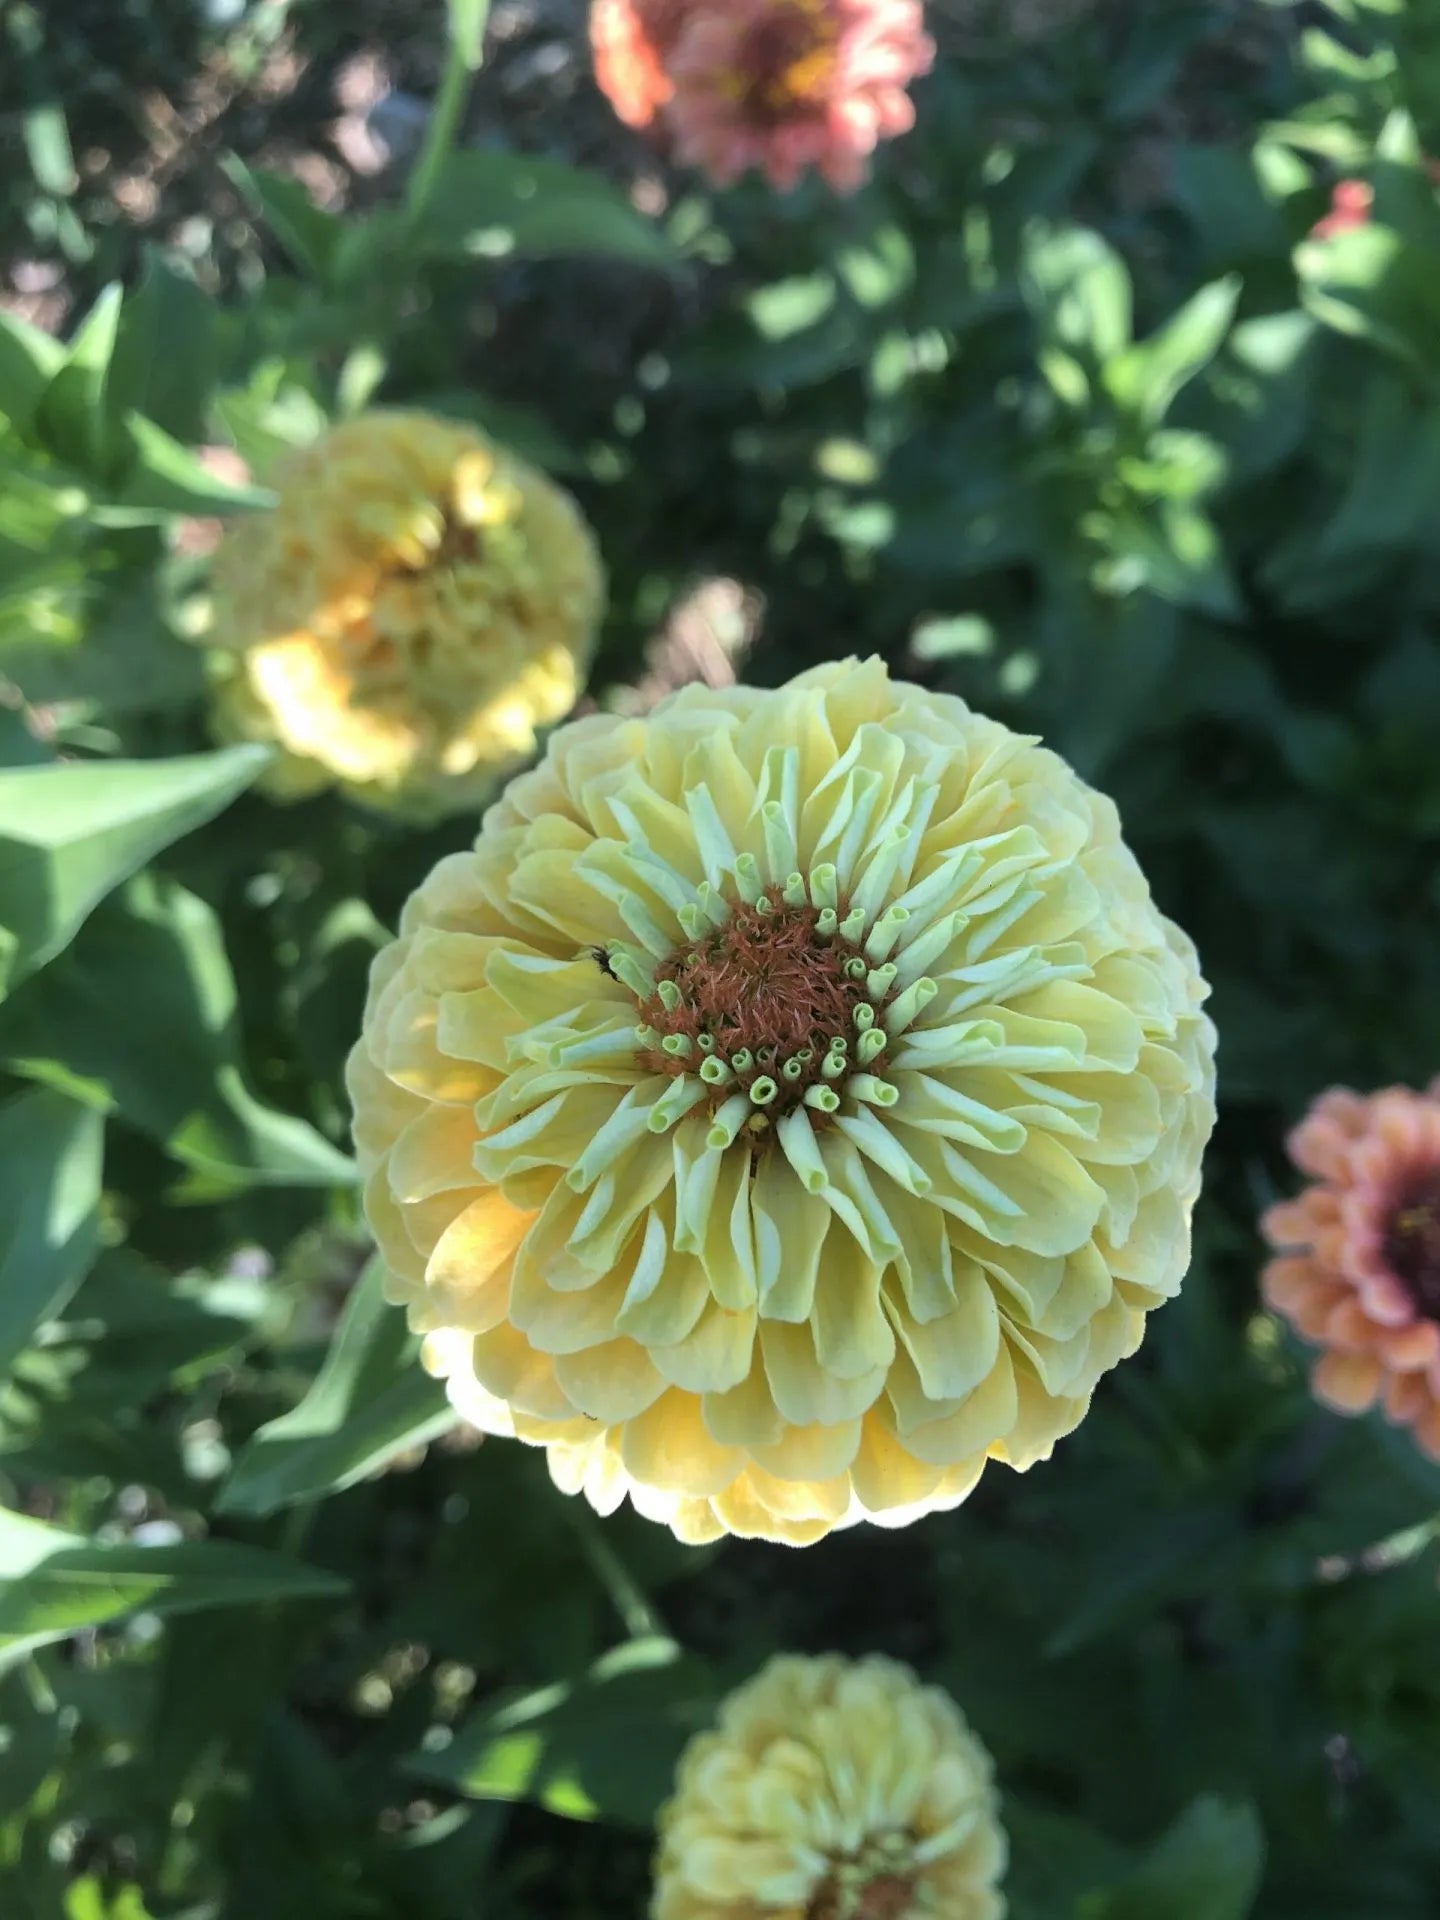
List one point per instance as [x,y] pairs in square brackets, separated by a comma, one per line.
[53,1584]
[29,360]
[369,1401]
[74,413]
[164,479]
[307,233]
[50,1156]
[69,834]
[1147,377]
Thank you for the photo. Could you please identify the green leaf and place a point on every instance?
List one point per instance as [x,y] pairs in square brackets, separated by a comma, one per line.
[307,233]
[29,360]
[50,1161]
[164,479]
[53,1584]
[159,954]
[1080,288]
[601,1747]
[1207,1867]
[496,205]
[69,834]
[1147,377]
[369,1401]
[168,356]
[74,413]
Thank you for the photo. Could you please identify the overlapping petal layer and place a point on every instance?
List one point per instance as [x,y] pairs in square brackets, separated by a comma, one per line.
[1359,1266]
[792,1101]
[832,1790]
[416,605]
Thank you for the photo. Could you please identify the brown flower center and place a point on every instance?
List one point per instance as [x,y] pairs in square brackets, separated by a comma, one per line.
[774,1002]
[887,1897]
[1412,1242]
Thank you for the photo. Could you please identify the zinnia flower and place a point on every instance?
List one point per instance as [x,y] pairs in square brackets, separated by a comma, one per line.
[780,85]
[1359,1272]
[417,603]
[794,1099]
[832,1790]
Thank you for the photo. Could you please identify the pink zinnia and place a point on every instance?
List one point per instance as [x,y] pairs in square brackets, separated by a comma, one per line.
[1359,1272]
[1350,206]
[780,85]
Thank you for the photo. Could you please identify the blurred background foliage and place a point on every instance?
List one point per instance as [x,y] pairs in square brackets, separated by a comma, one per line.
[1069,412]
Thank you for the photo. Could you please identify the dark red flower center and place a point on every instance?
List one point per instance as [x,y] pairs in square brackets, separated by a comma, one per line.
[1412,1241]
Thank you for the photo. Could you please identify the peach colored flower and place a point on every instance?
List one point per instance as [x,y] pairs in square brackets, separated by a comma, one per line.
[793,1100]
[1350,206]
[1359,1266]
[832,1789]
[783,85]
[631,40]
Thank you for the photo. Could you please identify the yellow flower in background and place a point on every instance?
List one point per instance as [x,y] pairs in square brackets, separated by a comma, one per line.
[416,605]
[832,1790]
[793,1100]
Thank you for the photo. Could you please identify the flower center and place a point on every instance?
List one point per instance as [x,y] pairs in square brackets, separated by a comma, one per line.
[773,1006]
[855,1890]
[1412,1242]
[785,60]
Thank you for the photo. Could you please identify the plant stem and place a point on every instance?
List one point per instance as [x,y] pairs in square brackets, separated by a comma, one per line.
[449,108]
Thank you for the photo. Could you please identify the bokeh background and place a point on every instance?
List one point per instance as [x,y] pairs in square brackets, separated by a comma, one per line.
[1070,411]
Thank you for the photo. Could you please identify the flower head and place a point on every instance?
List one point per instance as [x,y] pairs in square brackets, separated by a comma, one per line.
[1359,1267]
[832,1790]
[417,603]
[780,85]
[793,1100]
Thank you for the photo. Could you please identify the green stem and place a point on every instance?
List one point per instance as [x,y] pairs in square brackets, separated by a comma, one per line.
[462,62]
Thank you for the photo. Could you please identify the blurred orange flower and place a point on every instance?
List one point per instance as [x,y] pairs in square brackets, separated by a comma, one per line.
[1359,1266]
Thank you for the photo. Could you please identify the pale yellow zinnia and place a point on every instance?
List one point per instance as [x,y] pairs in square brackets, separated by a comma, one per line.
[793,1100]
[416,604]
[832,1790]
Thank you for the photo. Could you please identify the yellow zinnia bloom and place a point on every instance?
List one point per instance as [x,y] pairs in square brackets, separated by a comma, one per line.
[417,603]
[832,1790]
[792,1101]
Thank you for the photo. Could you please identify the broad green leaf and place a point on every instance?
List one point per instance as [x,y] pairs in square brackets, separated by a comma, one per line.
[600,1747]
[69,834]
[168,356]
[50,1158]
[370,1399]
[53,1583]
[1207,1867]
[158,952]
[495,205]
[1147,377]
